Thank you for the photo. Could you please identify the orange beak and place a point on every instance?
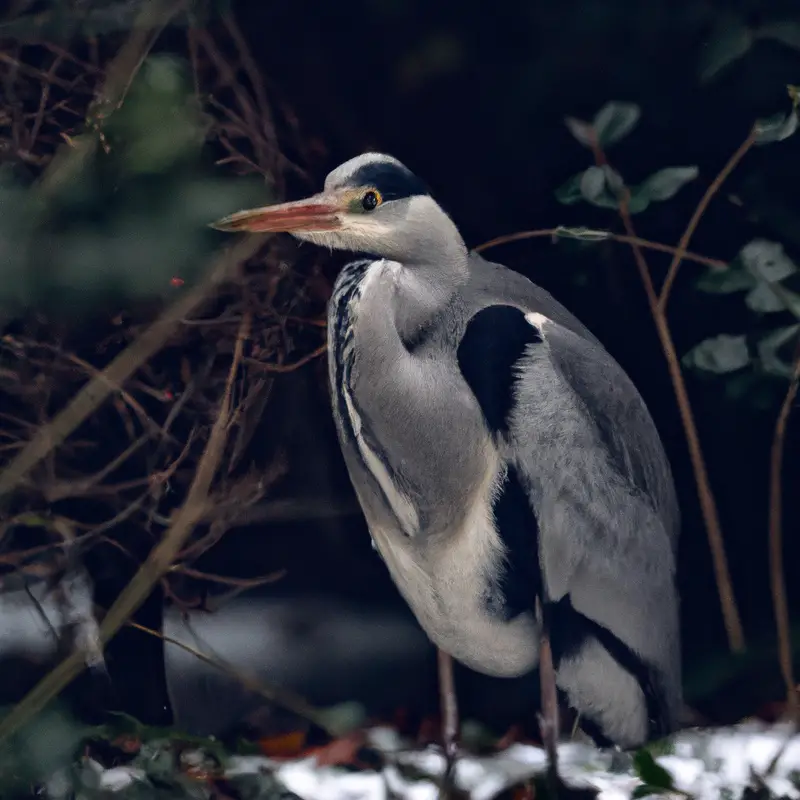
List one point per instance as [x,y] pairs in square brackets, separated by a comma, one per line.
[318,213]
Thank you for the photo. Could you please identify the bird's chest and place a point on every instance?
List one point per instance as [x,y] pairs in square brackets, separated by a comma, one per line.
[447,580]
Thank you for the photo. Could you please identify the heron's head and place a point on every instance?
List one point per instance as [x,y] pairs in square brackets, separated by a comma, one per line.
[371,204]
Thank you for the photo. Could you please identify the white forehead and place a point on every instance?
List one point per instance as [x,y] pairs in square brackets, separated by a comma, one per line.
[342,174]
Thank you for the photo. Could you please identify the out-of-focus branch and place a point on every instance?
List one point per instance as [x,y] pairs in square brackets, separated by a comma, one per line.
[70,158]
[157,564]
[279,697]
[94,393]
[708,505]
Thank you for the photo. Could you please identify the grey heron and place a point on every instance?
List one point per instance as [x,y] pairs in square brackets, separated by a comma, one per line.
[508,469]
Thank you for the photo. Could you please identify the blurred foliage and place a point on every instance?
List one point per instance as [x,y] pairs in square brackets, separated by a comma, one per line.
[131,223]
[47,745]
[601,185]
[61,20]
[761,268]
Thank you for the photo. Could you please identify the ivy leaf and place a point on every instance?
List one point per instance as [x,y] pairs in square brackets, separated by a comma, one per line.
[614,121]
[726,281]
[581,130]
[719,354]
[776,128]
[650,772]
[666,183]
[730,41]
[767,260]
[569,192]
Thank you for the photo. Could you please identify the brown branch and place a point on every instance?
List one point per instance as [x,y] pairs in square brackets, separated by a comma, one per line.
[78,488]
[94,393]
[241,583]
[708,506]
[279,697]
[158,562]
[776,567]
[288,367]
[646,244]
[713,188]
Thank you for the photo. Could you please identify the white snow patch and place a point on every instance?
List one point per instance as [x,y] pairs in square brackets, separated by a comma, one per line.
[702,762]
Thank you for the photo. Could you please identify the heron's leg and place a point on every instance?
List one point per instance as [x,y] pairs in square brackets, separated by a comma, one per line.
[449,713]
[548,719]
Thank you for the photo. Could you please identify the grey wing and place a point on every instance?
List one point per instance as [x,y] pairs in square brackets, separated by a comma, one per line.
[601,486]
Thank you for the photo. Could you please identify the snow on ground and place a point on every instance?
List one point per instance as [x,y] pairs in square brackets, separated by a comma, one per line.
[706,764]
[703,763]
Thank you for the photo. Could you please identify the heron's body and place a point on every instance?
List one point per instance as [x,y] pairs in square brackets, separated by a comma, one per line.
[501,456]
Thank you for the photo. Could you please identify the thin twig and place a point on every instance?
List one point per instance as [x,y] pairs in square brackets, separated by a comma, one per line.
[158,562]
[301,362]
[242,583]
[278,697]
[730,612]
[94,393]
[646,244]
[776,568]
[713,188]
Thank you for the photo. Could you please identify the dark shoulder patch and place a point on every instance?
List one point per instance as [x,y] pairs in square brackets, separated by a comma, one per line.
[493,343]
[520,580]
[393,181]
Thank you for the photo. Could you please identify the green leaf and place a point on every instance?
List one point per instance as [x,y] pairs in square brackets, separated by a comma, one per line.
[583,234]
[785,31]
[719,355]
[650,772]
[613,179]
[728,43]
[592,183]
[776,128]
[570,191]
[726,281]
[639,201]
[344,717]
[791,300]
[581,130]
[666,183]
[767,260]
[594,188]
[767,348]
[614,121]
[764,300]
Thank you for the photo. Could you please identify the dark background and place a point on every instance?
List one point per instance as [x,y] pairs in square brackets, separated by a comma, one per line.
[472,97]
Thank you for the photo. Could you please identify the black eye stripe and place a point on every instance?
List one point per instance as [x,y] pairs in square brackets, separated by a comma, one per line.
[393,181]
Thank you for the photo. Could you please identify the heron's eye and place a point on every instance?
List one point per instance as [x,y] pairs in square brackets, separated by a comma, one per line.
[371,200]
